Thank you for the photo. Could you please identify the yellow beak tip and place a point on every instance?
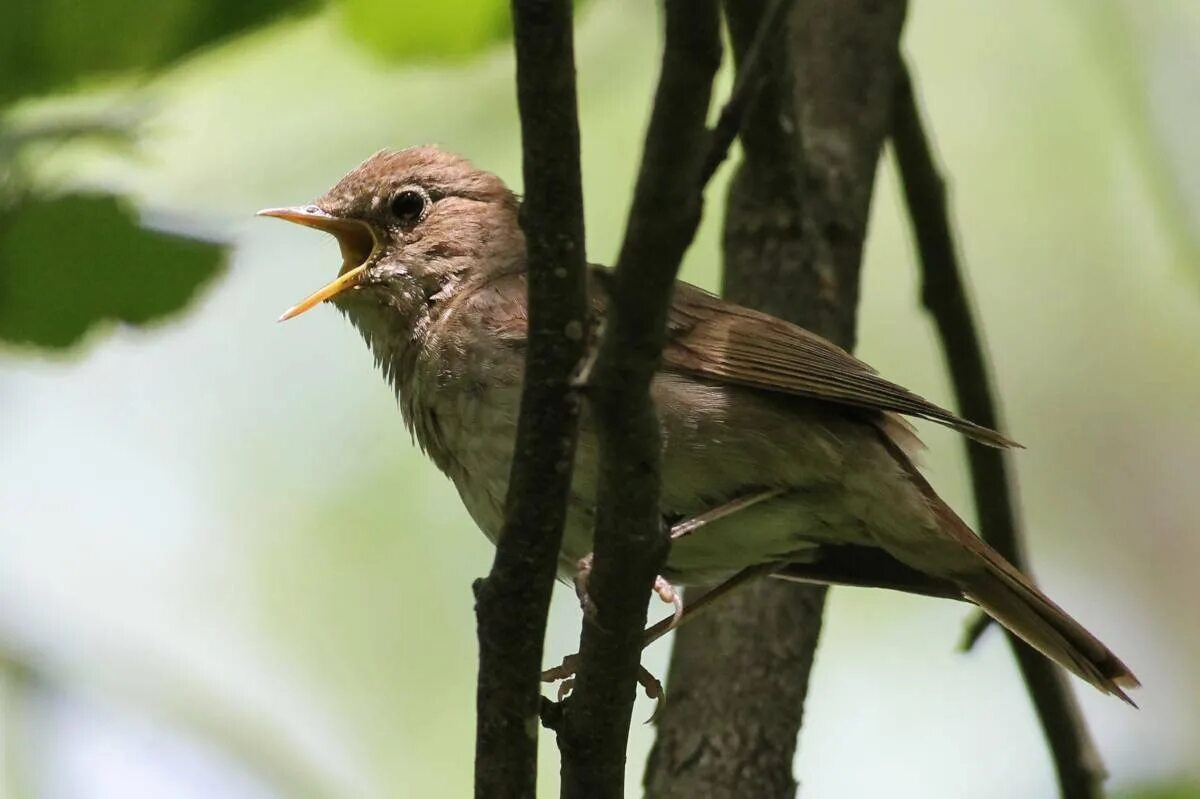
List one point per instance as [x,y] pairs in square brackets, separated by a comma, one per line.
[296,310]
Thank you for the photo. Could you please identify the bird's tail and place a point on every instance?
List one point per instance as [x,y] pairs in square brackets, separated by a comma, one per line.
[1014,602]
[1009,597]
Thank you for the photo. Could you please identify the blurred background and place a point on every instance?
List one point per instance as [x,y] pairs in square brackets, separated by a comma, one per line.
[226,571]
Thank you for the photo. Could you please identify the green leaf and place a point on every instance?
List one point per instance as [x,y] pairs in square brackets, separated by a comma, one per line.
[71,263]
[426,28]
[48,44]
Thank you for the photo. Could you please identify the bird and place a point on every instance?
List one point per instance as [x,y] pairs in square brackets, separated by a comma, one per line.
[780,450]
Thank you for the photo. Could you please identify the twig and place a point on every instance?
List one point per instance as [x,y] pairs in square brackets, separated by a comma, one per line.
[977,624]
[945,296]
[745,86]
[512,602]
[630,541]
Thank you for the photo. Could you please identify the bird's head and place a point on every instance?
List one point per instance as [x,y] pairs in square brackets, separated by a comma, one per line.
[411,224]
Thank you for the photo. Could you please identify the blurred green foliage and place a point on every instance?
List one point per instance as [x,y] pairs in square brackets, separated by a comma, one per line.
[55,287]
[71,262]
[52,44]
[425,29]
[1128,64]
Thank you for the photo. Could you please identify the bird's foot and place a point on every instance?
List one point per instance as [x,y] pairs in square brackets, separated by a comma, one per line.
[583,571]
[667,593]
[654,690]
[564,675]
[565,672]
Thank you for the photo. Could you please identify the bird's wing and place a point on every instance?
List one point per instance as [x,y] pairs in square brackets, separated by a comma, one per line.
[711,338]
[717,340]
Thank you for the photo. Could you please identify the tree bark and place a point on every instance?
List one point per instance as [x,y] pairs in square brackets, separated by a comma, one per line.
[511,604]
[630,541]
[794,230]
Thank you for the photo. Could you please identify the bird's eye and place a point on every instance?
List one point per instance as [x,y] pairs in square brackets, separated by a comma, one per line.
[409,205]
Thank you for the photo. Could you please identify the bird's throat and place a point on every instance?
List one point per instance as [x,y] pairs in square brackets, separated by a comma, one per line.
[390,320]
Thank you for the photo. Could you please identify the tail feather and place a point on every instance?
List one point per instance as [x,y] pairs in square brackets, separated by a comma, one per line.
[1008,596]
[1028,613]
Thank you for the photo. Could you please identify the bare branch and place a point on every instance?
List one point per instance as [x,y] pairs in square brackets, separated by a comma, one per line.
[630,540]
[945,295]
[512,602]
[750,77]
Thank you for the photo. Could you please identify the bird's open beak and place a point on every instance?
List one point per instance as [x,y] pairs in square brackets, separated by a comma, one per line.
[355,238]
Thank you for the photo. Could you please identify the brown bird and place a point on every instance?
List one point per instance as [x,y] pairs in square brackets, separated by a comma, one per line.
[778,446]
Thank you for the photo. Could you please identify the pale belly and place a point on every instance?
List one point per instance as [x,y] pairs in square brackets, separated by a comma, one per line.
[835,485]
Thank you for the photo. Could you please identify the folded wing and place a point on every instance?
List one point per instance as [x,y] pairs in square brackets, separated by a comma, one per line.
[711,338]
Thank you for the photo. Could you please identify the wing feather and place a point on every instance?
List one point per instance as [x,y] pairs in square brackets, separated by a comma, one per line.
[718,340]
[715,339]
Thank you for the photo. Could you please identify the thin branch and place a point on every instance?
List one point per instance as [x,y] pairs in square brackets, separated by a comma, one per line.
[977,624]
[945,296]
[630,540]
[749,80]
[513,601]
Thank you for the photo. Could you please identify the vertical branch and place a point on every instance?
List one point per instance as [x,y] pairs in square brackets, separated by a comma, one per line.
[944,294]
[630,540]
[795,225]
[513,601]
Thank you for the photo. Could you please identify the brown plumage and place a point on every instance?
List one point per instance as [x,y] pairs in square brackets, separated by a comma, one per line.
[750,406]
[719,340]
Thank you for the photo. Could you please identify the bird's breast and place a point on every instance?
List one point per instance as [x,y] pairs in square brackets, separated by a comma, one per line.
[468,429]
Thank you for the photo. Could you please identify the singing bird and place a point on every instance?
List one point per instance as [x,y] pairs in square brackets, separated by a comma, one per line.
[778,446]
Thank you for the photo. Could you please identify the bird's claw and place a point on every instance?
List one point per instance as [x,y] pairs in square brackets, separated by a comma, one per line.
[583,571]
[566,670]
[564,673]
[654,690]
[667,593]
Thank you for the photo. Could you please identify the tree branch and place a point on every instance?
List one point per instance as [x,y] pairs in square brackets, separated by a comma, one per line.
[512,602]
[797,215]
[630,540]
[945,295]
[745,88]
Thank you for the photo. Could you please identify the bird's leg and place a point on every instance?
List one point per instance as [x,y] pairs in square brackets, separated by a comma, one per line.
[686,527]
[694,523]
[565,671]
[667,593]
[583,571]
[582,378]
[706,600]
[681,529]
